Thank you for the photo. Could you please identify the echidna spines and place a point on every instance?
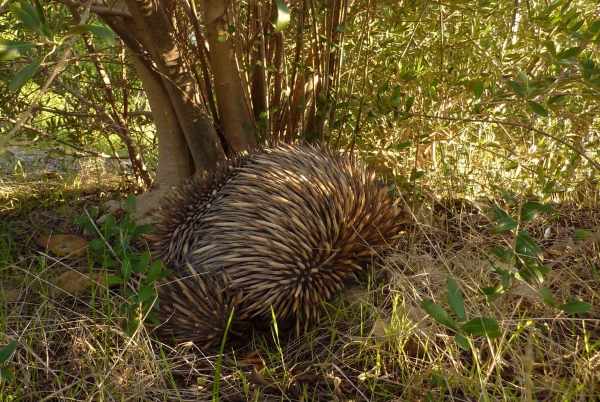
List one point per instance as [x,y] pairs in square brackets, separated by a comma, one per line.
[288,226]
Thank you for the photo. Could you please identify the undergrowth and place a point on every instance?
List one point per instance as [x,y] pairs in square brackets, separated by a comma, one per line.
[380,340]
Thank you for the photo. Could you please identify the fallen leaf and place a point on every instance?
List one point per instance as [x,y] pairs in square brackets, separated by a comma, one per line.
[12,294]
[257,379]
[73,282]
[63,245]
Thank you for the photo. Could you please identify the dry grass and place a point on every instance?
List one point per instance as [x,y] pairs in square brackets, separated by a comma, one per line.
[375,342]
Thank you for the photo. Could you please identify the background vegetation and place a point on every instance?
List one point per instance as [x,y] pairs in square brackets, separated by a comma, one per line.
[474,110]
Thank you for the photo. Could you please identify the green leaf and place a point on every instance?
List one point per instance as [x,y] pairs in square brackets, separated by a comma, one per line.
[154,271]
[7,351]
[132,202]
[582,234]
[517,88]
[114,279]
[531,209]
[505,254]
[96,30]
[222,38]
[505,224]
[37,14]
[500,213]
[462,342]
[569,53]
[97,245]
[493,292]
[482,326]
[547,296]
[25,74]
[85,223]
[40,11]
[549,186]
[537,108]
[409,103]
[143,261]
[102,32]
[283,16]
[525,241]
[416,174]
[575,307]
[30,22]
[109,263]
[13,49]
[145,293]
[594,27]
[7,372]
[142,229]
[438,313]
[75,30]
[455,299]
[478,89]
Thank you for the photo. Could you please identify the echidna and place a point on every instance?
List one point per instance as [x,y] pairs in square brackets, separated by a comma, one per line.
[280,230]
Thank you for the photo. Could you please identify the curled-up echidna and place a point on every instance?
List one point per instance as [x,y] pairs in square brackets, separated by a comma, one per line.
[280,230]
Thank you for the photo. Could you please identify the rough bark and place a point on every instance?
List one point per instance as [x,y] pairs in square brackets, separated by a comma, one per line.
[175,164]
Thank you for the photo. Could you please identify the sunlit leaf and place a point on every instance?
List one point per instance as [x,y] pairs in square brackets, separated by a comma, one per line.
[283,16]
[504,225]
[531,209]
[482,326]
[102,32]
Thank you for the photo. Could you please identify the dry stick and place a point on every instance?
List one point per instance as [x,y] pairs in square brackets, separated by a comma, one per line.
[513,124]
[25,115]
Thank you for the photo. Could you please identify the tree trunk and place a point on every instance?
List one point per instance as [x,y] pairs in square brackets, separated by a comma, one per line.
[234,111]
